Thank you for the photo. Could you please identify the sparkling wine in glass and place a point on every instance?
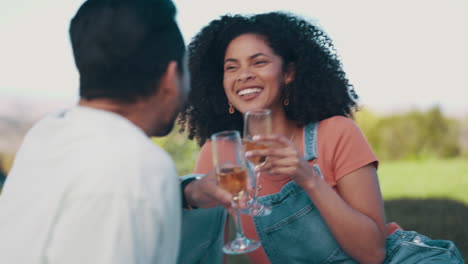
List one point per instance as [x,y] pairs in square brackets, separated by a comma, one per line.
[231,172]
[257,122]
[250,145]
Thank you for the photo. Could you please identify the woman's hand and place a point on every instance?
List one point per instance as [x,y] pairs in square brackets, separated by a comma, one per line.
[284,159]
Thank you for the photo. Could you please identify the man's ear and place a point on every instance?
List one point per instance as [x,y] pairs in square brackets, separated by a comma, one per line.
[169,83]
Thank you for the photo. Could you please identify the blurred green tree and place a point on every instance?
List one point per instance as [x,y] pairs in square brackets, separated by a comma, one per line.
[183,151]
[411,135]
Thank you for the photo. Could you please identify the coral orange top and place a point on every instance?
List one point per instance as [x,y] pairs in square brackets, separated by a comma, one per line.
[341,149]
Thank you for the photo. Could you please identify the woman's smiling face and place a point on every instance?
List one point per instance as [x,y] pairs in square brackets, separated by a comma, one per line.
[253,74]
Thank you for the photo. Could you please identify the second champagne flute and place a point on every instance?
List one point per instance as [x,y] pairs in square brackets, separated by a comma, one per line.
[231,171]
[257,122]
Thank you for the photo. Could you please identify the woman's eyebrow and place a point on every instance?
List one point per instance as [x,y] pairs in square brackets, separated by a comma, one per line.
[229,60]
[250,57]
[258,55]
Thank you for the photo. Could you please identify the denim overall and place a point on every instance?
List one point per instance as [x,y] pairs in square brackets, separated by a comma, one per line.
[295,232]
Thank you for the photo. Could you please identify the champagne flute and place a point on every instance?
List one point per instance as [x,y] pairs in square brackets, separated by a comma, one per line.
[257,122]
[231,171]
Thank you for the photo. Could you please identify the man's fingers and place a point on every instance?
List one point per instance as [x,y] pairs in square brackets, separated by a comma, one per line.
[222,196]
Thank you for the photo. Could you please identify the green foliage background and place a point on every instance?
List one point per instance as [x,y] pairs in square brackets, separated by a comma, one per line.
[412,135]
[183,151]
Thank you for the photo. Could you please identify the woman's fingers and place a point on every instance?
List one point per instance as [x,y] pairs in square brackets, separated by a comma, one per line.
[273,138]
[272,152]
[278,166]
[274,163]
[283,156]
[281,171]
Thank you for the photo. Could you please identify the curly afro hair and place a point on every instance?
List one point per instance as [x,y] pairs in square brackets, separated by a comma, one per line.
[319,90]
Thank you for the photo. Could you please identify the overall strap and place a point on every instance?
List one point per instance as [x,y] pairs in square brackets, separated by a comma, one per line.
[310,141]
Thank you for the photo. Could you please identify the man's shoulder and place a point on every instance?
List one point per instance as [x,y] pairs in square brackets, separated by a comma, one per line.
[138,172]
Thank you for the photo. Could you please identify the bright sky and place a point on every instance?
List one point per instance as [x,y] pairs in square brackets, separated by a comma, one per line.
[398,54]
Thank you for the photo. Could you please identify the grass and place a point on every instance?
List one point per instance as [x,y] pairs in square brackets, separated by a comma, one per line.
[446,179]
[430,197]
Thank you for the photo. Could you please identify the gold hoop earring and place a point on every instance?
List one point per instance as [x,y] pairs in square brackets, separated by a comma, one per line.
[231,109]
[286,101]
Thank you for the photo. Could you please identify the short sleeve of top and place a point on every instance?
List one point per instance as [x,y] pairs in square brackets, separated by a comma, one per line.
[205,160]
[342,148]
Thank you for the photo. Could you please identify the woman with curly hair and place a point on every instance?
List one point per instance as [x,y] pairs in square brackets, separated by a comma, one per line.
[321,174]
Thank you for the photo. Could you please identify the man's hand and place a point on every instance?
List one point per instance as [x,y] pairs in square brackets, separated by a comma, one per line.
[206,193]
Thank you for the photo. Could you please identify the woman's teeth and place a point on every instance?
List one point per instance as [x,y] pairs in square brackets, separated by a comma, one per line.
[249,91]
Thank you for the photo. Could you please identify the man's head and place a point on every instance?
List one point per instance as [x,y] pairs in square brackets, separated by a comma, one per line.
[124,48]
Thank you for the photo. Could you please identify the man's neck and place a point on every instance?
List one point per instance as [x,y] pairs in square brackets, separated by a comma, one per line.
[106,105]
[131,111]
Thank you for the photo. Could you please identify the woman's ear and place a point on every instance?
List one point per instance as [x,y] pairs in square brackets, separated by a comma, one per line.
[290,73]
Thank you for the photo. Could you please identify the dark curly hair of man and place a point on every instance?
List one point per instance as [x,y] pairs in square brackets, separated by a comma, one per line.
[319,90]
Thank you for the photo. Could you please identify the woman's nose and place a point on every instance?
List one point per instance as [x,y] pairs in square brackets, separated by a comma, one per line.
[245,75]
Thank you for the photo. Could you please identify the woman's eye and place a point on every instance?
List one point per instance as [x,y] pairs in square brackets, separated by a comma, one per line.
[260,62]
[228,68]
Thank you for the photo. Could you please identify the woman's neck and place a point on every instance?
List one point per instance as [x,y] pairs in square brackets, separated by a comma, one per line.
[282,125]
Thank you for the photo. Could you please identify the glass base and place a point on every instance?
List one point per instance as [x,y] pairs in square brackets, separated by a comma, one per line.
[241,246]
[256,209]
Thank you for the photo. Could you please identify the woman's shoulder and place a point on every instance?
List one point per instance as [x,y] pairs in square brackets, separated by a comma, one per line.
[204,159]
[205,150]
[338,123]
[338,129]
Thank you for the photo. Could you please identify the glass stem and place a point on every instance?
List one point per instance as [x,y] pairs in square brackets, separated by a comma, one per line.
[237,221]
[255,194]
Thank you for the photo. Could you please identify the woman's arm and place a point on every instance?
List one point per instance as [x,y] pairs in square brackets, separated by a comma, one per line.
[354,213]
